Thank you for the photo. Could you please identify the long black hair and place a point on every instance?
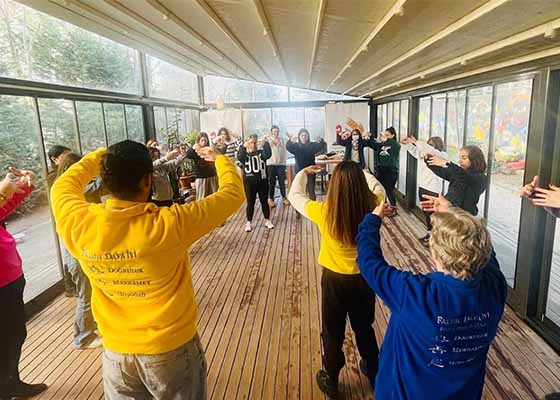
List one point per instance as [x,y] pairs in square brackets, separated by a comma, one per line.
[55,152]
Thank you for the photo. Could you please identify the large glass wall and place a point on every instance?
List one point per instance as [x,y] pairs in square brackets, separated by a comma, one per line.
[288,119]
[167,81]
[553,295]
[31,223]
[175,124]
[91,125]
[447,114]
[511,125]
[38,47]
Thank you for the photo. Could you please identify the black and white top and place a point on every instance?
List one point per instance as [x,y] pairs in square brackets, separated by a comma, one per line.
[254,164]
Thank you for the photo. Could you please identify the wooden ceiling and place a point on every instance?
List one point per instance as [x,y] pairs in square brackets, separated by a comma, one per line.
[356,47]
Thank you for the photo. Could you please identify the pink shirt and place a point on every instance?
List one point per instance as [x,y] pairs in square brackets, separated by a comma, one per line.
[10,261]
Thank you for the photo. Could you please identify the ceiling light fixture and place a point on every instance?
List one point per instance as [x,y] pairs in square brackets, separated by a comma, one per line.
[265,32]
[165,17]
[422,76]
[365,48]
[464,62]
[399,12]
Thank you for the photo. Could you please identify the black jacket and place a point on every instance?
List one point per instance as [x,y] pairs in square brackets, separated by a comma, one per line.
[347,143]
[465,186]
[254,164]
[202,168]
[305,152]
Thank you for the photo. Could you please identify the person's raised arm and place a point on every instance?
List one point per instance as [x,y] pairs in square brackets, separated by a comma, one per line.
[266,151]
[13,195]
[375,186]
[292,147]
[198,218]
[242,154]
[67,194]
[442,168]
[385,280]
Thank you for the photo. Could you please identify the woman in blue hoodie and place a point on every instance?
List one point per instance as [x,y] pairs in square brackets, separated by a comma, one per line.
[442,323]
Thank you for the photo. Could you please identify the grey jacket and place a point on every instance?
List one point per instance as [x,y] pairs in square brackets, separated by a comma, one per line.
[161,185]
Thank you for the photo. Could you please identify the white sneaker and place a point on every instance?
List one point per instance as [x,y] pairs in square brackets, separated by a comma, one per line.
[268,224]
[248,227]
[94,344]
[271,203]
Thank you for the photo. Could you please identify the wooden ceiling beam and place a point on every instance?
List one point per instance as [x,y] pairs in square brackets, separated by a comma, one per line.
[540,30]
[317,33]
[268,30]
[202,58]
[462,22]
[202,41]
[231,36]
[396,9]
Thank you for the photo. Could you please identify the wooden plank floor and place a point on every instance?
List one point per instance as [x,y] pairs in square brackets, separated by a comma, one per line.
[259,320]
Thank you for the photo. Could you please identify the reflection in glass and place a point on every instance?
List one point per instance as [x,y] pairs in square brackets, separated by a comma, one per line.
[438,116]
[380,118]
[424,118]
[315,121]
[160,120]
[57,123]
[31,224]
[289,119]
[456,102]
[396,118]
[90,122]
[511,125]
[404,118]
[167,81]
[553,295]
[257,121]
[135,123]
[389,116]
[114,122]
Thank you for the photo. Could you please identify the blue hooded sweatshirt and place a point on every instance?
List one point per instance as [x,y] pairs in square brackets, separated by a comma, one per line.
[441,327]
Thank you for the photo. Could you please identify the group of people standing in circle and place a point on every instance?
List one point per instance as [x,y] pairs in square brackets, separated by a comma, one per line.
[130,247]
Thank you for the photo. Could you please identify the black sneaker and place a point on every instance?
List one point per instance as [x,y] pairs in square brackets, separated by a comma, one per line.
[23,390]
[328,385]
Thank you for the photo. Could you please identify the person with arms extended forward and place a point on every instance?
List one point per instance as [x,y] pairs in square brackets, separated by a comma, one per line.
[253,160]
[387,152]
[351,195]
[276,166]
[136,257]
[12,282]
[442,323]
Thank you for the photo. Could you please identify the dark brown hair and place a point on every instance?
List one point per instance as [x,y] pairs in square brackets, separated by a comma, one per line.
[476,157]
[437,143]
[348,201]
[203,135]
[66,162]
[225,132]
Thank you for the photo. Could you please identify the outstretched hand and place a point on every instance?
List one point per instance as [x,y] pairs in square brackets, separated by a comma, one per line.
[435,204]
[547,197]
[8,187]
[207,153]
[312,170]
[528,190]
[382,209]
[25,176]
[435,160]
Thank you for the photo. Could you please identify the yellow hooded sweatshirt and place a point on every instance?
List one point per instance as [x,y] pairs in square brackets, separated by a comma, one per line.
[135,255]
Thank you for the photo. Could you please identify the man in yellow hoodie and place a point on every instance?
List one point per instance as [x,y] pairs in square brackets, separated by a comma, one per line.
[136,257]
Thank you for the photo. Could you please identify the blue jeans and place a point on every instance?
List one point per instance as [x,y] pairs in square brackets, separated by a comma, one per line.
[179,374]
[84,324]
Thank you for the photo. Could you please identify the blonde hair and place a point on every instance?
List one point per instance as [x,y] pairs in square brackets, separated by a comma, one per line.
[460,242]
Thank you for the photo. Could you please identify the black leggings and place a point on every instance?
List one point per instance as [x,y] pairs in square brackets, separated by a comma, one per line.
[13,332]
[276,172]
[427,214]
[347,295]
[252,188]
[388,178]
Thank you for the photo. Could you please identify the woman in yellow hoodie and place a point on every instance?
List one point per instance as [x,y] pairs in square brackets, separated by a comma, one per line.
[352,194]
[136,257]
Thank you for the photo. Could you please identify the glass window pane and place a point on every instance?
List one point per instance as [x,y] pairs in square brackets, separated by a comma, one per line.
[315,121]
[297,94]
[257,121]
[438,116]
[389,115]
[181,126]
[193,121]
[57,123]
[38,47]
[424,118]
[114,122]
[289,119]
[380,117]
[135,123]
[455,123]
[396,118]
[168,81]
[90,122]
[240,91]
[161,123]
[404,118]
[553,295]
[31,223]
[511,125]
